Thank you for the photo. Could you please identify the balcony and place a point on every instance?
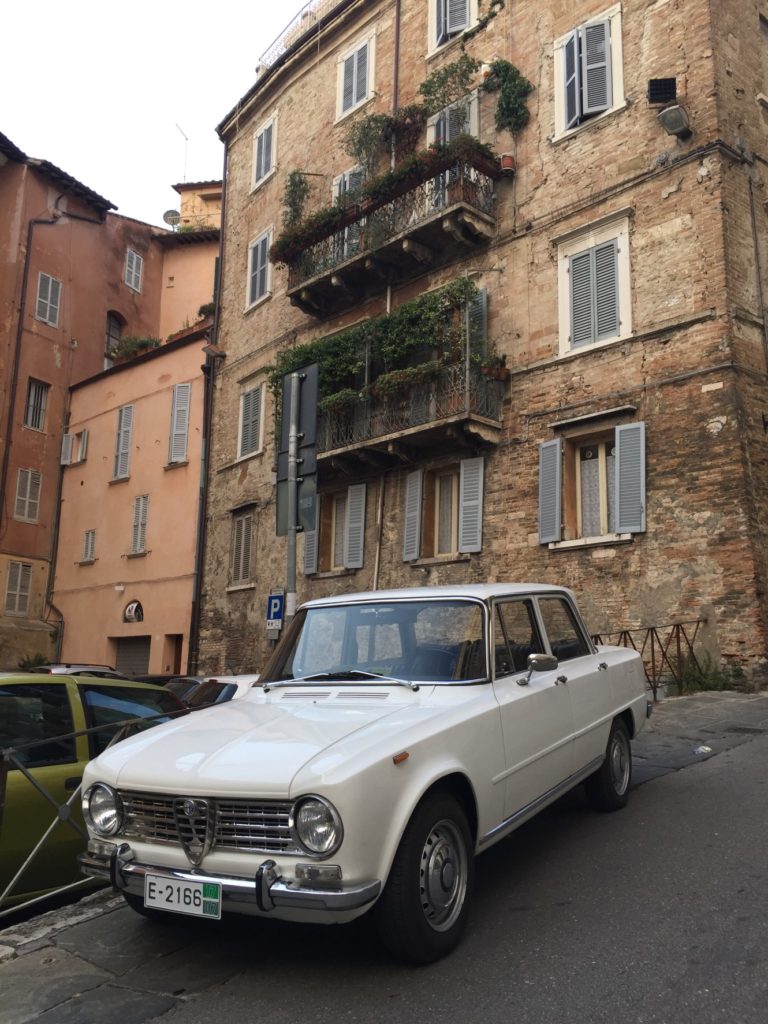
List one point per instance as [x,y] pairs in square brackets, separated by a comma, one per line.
[385,242]
[460,407]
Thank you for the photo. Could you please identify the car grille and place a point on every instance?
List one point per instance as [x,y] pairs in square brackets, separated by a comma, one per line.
[249,825]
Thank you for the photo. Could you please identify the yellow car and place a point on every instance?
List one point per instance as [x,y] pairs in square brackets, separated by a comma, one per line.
[38,716]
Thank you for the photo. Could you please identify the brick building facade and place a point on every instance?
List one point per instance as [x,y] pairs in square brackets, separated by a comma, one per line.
[619,272]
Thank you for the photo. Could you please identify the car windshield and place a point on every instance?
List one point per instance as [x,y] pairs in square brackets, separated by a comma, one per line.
[430,641]
[109,706]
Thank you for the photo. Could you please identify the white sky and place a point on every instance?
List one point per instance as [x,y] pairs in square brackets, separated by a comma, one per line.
[98,88]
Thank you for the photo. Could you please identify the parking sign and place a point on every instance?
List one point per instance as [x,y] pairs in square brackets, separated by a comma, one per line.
[275,610]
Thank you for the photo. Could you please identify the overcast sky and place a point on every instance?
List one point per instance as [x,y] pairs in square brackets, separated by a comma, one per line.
[99,88]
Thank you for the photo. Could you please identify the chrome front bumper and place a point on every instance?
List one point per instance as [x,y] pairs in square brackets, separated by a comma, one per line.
[266,889]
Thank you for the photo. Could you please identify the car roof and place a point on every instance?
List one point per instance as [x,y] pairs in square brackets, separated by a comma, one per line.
[60,679]
[477,591]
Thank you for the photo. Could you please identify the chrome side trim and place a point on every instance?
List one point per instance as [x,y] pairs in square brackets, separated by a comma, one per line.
[535,805]
[274,890]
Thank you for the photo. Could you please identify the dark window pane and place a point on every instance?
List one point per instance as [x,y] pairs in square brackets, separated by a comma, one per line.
[34,719]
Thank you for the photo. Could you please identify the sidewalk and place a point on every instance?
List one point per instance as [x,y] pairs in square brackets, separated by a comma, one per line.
[96,962]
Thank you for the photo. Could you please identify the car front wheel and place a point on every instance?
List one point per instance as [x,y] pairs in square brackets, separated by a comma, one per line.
[608,788]
[422,912]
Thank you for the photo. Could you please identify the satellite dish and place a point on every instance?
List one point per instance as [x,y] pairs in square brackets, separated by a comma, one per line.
[172,217]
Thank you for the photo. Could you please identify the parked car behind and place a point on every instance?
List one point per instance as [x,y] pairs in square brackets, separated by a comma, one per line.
[391,737]
[38,714]
[78,669]
[219,689]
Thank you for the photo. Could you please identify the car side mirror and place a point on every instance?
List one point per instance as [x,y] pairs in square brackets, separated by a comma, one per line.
[538,663]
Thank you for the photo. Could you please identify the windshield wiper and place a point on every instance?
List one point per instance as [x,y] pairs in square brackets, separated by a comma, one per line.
[342,676]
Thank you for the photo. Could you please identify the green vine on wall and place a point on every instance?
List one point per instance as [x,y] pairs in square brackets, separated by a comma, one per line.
[513,88]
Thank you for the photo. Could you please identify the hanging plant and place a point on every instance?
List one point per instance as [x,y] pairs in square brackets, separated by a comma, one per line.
[494,7]
[513,88]
[396,381]
[295,195]
[448,84]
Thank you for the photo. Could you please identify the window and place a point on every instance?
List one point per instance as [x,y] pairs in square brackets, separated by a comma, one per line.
[263,152]
[107,707]
[74,447]
[122,464]
[355,76]
[592,485]
[112,338]
[37,400]
[258,268]
[17,588]
[48,299]
[242,532]
[444,511]
[588,71]
[563,632]
[27,495]
[348,240]
[250,421]
[594,287]
[177,443]
[134,269]
[460,118]
[338,542]
[139,531]
[449,18]
[37,715]
[89,546]
[516,636]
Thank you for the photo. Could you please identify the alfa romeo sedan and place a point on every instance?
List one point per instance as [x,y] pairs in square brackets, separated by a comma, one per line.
[391,737]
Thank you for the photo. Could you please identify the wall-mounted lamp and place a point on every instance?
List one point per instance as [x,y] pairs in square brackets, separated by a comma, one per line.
[674,120]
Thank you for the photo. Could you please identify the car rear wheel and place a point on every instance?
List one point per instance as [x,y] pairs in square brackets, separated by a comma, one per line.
[608,788]
[423,910]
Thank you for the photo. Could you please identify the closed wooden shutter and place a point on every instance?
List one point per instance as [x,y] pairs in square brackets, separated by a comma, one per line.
[582,303]
[630,478]
[596,67]
[139,532]
[471,505]
[242,532]
[177,450]
[606,290]
[66,449]
[354,539]
[348,84]
[28,495]
[477,322]
[311,545]
[250,429]
[259,264]
[18,587]
[550,491]
[123,441]
[412,521]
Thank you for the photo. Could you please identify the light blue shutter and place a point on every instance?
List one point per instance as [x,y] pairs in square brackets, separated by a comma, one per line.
[572,80]
[550,491]
[259,157]
[477,321]
[457,15]
[412,522]
[596,67]
[139,533]
[123,442]
[439,20]
[606,290]
[471,505]
[66,449]
[348,84]
[354,536]
[250,430]
[582,299]
[266,156]
[630,478]
[310,544]
[259,260]
[361,74]
[177,449]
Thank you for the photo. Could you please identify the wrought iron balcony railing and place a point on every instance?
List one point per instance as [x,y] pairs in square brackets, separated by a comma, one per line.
[309,16]
[458,392]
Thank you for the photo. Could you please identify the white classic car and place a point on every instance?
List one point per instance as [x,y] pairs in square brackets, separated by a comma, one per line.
[392,736]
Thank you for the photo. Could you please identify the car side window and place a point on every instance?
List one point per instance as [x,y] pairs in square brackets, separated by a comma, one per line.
[517,636]
[37,719]
[108,706]
[565,637]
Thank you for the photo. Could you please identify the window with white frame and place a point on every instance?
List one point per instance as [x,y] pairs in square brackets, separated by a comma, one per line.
[74,447]
[448,19]
[139,528]
[17,588]
[251,417]
[356,75]
[37,400]
[443,513]
[459,118]
[592,484]
[122,463]
[27,504]
[134,269]
[264,151]
[242,534]
[89,546]
[338,541]
[589,77]
[258,268]
[345,186]
[177,441]
[594,287]
[48,299]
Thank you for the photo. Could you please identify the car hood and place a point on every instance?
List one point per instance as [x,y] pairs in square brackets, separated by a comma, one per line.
[257,744]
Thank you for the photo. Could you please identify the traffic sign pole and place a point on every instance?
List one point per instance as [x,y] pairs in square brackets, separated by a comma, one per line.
[292,497]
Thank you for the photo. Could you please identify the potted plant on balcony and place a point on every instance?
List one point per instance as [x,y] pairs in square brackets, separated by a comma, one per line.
[494,366]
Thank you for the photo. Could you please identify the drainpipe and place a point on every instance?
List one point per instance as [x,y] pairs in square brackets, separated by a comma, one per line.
[759,273]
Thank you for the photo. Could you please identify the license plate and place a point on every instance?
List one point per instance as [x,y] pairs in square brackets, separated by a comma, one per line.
[200,899]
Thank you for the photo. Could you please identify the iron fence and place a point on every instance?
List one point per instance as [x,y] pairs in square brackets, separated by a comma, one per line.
[667,651]
[306,19]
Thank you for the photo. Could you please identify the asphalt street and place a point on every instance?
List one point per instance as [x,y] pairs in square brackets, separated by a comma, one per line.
[654,915]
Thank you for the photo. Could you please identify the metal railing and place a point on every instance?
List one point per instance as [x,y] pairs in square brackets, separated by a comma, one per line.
[306,19]
[456,390]
[667,651]
[367,232]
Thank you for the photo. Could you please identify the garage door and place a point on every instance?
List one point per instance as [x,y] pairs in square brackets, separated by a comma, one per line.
[133,655]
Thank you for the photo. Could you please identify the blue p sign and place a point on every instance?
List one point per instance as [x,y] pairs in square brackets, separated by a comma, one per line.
[275,605]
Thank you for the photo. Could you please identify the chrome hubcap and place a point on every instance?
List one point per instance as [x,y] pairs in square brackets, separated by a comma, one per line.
[620,763]
[443,875]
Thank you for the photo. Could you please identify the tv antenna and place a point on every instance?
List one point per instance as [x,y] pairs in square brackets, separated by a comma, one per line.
[186,143]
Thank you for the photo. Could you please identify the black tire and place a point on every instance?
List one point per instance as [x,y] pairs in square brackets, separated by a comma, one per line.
[608,788]
[422,912]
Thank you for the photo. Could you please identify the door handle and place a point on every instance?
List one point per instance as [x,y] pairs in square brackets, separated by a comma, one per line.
[72,783]
[561,679]
[602,667]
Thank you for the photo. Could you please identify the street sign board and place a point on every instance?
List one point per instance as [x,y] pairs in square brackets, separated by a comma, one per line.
[275,610]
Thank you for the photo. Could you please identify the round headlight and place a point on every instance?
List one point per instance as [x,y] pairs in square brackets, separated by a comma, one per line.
[103,809]
[318,826]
